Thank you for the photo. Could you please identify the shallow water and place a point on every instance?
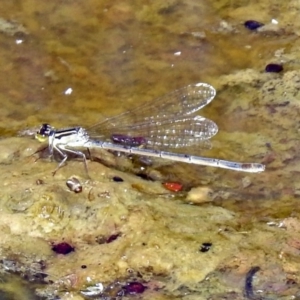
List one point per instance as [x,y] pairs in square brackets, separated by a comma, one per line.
[115,56]
[77,62]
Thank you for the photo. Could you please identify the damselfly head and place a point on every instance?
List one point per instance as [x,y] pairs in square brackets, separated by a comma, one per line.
[44,132]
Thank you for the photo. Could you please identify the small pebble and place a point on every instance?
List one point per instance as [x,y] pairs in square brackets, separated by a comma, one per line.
[205,247]
[92,291]
[133,288]
[246,181]
[199,195]
[117,179]
[74,185]
[253,25]
[63,248]
[273,68]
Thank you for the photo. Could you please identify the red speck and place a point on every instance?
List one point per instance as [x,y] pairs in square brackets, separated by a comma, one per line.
[173,186]
[63,248]
[133,288]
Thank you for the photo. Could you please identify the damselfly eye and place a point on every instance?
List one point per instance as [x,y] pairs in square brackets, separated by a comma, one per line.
[45,130]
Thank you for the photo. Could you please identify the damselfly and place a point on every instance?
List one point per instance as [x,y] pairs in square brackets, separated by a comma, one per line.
[149,130]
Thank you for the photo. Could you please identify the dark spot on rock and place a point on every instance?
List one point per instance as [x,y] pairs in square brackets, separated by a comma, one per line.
[205,247]
[274,68]
[117,179]
[144,176]
[253,25]
[133,288]
[63,248]
[112,238]
[83,267]
[248,288]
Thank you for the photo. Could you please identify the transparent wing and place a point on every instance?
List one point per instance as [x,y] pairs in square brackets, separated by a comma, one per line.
[165,122]
[177,133]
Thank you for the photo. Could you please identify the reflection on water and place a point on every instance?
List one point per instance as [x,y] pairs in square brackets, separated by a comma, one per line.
[77,62]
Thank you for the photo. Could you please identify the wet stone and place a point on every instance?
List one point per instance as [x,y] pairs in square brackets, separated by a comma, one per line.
[74,185]
[273,68]
[252,24]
